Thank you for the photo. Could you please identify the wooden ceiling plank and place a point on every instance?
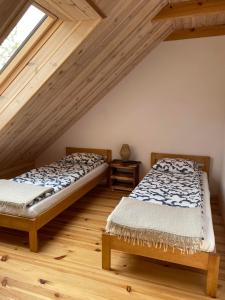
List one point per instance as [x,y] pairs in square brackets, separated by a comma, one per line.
[105,57]
[129,60]
[113,42]
[190,9]
[111,83]
[119,41]
[206,31]
[118,16]
[60,11]
[56,81]
[37,63]
[125,64]
[70,10]
[41,60]
[48,68]
[49,115]
[119,38]
[94,48]
[25,55]
[86,9]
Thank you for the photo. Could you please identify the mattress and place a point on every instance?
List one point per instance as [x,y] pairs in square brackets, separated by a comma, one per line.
[208,244]
[40,207]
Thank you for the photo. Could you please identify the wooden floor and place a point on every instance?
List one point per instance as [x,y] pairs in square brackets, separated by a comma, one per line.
[68,265]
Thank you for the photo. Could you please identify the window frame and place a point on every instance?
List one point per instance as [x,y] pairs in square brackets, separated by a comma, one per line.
[29,49]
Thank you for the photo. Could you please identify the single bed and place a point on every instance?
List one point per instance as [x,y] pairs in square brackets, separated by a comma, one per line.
[206,259]
[36,216]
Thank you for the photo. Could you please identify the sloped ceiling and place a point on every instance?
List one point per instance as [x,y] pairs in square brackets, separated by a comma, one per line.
[9,12]
[120,41]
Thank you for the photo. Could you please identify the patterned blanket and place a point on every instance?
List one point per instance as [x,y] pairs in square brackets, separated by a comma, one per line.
[155,225]
[173,189]
[176,222]
[57,176]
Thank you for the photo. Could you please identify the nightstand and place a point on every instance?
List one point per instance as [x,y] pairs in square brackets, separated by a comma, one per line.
[124,175]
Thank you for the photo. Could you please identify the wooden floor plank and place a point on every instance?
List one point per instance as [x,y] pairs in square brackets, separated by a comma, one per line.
[68,265]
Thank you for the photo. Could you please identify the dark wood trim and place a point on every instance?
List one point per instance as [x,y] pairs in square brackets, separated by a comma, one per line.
[190,9]
[191,33]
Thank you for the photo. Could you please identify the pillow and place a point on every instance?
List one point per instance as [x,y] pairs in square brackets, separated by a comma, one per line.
[82,158]
[178,165]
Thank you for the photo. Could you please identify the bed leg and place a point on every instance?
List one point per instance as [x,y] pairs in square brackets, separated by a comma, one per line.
[212,274]
[33,240]
[106,252]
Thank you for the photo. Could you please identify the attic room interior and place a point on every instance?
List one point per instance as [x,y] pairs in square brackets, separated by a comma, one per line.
[104,103]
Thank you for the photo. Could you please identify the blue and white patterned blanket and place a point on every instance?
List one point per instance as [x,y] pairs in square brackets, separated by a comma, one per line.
[173,189]
[57,176]
[167,224]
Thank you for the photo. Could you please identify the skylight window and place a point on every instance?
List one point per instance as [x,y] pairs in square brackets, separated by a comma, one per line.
[17,38]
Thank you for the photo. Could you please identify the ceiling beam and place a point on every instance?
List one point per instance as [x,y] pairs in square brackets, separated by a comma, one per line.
[191,33]
[190,9]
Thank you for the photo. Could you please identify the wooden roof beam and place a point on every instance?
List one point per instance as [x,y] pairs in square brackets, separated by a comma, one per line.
[191,33]
[190,9]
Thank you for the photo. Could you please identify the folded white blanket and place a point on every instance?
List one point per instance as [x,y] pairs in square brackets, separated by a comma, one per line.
[19,194]
[157,225]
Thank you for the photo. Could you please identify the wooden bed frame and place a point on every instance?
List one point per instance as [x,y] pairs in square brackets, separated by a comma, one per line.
[207,261]
[32,225]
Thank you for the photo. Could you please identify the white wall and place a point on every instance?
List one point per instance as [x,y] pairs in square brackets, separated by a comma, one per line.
[173,101]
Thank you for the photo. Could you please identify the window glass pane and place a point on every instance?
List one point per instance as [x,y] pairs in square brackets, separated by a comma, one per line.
[30,21]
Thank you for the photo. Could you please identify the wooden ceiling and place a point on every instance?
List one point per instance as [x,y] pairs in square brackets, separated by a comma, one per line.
[194,19]
[10,11]
[69,10]
[46,107]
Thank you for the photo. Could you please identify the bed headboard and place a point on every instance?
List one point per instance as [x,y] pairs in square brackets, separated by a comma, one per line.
[104,152]
[203,161]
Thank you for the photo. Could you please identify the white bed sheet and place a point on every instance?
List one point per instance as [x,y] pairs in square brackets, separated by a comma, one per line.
[208,243]
[45,204]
